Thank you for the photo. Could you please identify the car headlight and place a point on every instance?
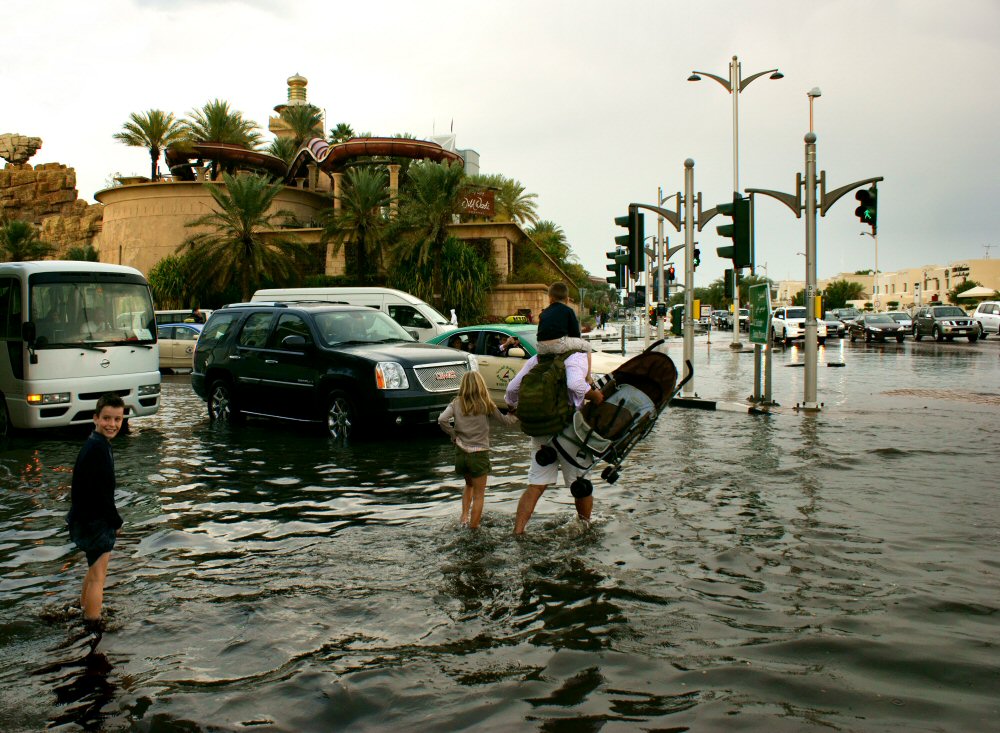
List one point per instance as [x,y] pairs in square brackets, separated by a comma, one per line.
[875,328]
[473,363]
[390,375]
[54,398]
[148,389]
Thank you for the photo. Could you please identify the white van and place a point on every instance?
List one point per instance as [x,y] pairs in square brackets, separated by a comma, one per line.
[72,331]
[407,310]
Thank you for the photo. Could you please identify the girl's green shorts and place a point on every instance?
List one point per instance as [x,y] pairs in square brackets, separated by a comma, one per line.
[473,464]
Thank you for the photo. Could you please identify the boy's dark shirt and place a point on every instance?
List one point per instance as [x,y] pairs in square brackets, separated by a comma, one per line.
[93,492]
[556,321]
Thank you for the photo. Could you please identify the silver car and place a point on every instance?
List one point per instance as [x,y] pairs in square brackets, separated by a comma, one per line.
[987,316]
[903,319]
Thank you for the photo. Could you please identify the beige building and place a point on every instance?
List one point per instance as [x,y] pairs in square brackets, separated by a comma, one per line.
[908,287]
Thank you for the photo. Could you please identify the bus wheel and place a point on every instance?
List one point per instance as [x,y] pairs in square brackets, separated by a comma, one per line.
[5,426]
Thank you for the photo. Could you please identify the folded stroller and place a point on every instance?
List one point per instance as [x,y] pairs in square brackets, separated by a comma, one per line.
[634,396]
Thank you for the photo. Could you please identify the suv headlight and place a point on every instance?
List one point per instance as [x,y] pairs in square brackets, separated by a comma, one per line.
[473,363]
[390,375]
[54,398]
[148,389]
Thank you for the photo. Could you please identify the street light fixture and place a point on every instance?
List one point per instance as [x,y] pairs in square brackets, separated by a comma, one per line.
[735,85]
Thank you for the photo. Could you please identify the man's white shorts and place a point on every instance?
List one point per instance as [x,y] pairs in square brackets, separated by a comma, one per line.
[547,475]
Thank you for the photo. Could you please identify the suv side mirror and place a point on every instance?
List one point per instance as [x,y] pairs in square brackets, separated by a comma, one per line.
[294,342]
[28,333]
[413,333]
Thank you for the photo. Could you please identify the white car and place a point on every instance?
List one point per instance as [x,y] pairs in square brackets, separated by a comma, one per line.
[987,315]
[177,344]
[903,319]
[789,323]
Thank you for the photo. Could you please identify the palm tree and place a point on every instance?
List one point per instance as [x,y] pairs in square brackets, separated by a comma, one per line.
[428,204]
[215,122]
[235,251]
[303,119]
[550,237]
[81,254]
[469,279]
[361,218]
[341,133]
[153,130]
[19,242]
[516,205]
[284,148]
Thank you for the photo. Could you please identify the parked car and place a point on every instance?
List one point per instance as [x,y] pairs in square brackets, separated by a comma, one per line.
[903,318]
[719,319]
[876,327]
[987,317]
[789,323]
[164,318]
[944,322]
[499,367]
[346,367]
[727,320]
[177,344]
[835,327]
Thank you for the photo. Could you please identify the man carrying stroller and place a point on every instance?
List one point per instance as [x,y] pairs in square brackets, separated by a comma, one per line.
[542,475]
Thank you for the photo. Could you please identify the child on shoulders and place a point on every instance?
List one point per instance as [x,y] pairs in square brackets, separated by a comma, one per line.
[559,328]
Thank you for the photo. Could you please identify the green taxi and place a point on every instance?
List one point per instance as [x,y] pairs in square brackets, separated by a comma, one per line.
[498,363]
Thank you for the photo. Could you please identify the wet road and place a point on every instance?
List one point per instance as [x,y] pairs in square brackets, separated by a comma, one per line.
[778,573]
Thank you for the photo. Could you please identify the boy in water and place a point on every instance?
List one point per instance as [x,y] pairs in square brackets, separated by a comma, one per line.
[93,519]
[559,328]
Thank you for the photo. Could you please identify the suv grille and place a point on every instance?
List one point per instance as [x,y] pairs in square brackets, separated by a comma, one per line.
[441,377]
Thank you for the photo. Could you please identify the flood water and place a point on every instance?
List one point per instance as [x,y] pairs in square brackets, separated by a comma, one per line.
[778,573]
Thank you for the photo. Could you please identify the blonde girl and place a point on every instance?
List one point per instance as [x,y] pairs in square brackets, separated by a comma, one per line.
[471,412]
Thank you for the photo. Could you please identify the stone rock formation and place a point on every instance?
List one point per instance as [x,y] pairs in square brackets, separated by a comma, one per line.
[18,149]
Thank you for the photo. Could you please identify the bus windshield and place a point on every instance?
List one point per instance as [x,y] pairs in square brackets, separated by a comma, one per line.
[91,312]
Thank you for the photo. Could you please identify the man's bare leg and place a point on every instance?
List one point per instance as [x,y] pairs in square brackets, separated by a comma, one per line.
[92,598]
[526,506]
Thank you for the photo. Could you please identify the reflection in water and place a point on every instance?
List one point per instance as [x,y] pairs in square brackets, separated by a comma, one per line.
[791,570]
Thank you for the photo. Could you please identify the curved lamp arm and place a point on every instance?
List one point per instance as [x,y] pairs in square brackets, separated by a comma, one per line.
[723,82]
[745,82]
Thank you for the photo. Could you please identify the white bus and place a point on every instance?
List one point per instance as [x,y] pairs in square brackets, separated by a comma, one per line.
[70,332]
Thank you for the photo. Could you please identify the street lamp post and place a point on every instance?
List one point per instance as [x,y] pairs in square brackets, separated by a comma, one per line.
[877,295]
[735,85]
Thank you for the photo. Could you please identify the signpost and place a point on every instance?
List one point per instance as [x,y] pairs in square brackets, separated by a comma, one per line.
[759,331]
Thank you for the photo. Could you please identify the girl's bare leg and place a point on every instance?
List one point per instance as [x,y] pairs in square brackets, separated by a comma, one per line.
[478,498]
[467,499]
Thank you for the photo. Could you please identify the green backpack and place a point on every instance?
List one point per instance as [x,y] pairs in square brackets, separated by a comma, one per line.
[543,405]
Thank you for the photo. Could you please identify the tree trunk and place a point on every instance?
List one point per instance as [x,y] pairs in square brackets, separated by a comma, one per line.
[154,158]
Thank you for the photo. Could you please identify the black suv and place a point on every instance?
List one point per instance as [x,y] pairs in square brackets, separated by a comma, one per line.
[943,322]
[343,366]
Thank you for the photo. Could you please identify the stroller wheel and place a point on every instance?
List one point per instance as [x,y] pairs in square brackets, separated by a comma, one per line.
[581,488]
[610,474]
[546,455]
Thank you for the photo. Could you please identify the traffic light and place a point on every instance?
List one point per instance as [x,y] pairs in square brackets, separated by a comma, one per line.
[727,287]
[867,212]
[619,259]
[633,241]
[697,257]
[670,273]
[739,231]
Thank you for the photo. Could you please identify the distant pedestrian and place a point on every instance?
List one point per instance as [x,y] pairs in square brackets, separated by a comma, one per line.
[472,411]
[454,317]
[93,519]
[196,316]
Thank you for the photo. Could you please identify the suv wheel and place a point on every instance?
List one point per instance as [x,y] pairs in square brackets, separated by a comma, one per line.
[340,416]
[916,334]
[982,333]
[853,337]
[973,337]
[221,405]
[936,333]
[868,336]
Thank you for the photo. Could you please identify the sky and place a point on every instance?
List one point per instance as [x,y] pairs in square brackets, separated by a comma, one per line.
[585,103]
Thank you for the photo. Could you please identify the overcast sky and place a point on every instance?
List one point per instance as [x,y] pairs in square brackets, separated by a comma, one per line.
[586,103]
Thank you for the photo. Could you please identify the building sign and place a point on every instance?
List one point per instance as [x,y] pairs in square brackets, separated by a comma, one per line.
[478,203]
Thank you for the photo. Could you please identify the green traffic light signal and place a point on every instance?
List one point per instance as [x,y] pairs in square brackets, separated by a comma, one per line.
[867,211]
[697,257]
[741,252]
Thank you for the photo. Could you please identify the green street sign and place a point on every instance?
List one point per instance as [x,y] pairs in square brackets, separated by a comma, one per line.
[760,312]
